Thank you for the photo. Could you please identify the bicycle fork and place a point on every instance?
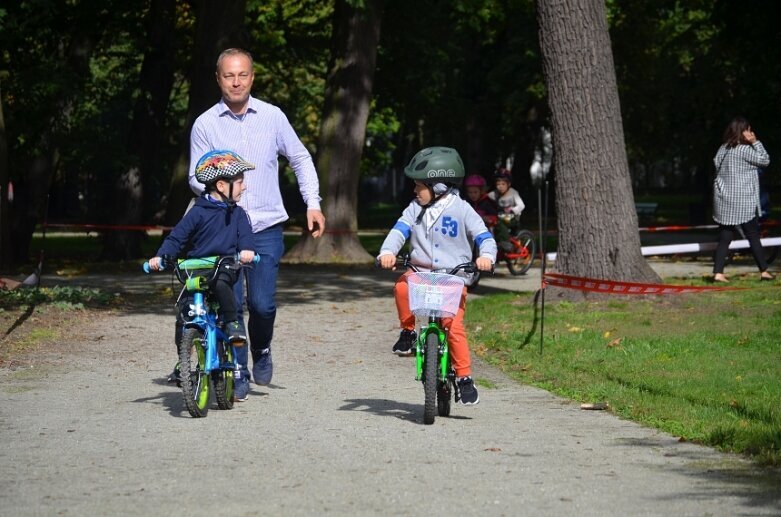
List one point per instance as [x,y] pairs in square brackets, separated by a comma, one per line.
[443,351]
[207,324]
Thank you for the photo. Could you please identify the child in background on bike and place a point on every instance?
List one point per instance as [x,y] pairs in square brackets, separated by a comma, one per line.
[216,225]
[442,229]
[510,207]
[475,187]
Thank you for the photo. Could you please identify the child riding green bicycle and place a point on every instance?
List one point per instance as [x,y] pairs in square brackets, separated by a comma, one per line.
[442,229]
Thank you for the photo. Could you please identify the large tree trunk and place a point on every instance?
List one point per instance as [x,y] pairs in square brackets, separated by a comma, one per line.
[342,133]
[146,132]
[219,25]
[597,222]
[31,196]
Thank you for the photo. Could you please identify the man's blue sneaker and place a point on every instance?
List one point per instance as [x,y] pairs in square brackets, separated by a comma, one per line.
[240,388]
[263,368]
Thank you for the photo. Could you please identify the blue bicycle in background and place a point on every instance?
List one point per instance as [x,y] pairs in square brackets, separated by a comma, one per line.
[207,359]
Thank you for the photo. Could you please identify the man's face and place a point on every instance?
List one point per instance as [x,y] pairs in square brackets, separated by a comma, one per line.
[235,77]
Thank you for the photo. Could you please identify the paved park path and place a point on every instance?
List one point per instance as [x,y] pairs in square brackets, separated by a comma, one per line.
[95,430]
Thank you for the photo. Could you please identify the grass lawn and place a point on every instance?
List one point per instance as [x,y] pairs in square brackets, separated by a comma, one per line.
[704,367]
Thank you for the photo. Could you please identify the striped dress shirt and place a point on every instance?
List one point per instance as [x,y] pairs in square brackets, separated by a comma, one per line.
[259,136]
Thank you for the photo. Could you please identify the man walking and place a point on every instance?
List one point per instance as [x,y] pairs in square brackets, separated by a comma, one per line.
[260,133]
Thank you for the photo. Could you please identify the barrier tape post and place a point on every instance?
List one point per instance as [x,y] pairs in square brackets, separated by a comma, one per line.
[543,235]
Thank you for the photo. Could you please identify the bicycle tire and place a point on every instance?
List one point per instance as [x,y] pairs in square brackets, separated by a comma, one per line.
[430,377]
[222,379]
[195,381]
[444,396]
[525,247]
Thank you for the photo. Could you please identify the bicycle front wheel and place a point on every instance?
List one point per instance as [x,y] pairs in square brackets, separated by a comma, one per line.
[222,378]
[520,259]
[195,381]
[430,374]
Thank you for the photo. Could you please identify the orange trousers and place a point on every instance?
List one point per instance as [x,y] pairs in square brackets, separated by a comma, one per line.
[456,335]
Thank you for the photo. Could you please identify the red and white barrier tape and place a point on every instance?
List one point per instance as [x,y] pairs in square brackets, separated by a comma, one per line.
[615,287]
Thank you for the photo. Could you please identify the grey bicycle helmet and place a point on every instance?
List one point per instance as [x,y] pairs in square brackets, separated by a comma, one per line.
[436,165]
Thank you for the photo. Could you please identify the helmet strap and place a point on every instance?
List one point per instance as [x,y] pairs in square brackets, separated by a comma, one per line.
[229,198]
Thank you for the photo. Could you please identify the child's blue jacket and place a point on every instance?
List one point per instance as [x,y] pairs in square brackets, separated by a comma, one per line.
[209,229]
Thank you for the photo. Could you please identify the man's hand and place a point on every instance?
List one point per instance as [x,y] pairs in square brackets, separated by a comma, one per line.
[315,223]
[246,256]
[484,264]
[387,261]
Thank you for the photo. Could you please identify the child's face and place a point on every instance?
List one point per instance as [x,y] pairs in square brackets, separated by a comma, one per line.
[502,186]
[238,187]
[473,193]
[422,193]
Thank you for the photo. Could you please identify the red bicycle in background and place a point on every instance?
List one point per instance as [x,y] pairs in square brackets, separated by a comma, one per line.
[518,253]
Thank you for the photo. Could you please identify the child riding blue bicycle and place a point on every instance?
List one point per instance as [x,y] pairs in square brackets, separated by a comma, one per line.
[215,226]
[442,229]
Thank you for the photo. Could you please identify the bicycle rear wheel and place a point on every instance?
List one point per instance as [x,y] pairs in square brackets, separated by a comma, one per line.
[430,374]
[520,259]
[195,382]
[222,379]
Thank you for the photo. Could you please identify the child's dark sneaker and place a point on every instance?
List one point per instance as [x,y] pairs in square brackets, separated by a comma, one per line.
[404,346]
[506,246]
[235,333]
[468,391]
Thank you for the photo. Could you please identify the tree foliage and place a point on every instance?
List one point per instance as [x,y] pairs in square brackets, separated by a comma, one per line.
[464,73]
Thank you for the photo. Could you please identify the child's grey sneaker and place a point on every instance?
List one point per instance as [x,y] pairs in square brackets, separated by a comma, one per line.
[468,391]
[406,342]
[263,369]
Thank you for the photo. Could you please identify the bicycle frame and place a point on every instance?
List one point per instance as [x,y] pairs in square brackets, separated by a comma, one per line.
[206,321]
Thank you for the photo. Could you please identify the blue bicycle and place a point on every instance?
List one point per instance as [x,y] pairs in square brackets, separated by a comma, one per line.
[207,359]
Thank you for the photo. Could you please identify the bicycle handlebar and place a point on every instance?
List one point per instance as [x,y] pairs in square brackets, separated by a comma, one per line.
[167,262]
[404,261]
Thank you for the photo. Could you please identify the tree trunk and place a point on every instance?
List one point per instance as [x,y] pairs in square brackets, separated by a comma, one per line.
[31,196]
[597,222]
[146,132]
[219,25]
[356,34]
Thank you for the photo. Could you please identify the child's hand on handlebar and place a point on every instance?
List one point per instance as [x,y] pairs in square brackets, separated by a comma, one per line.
[387,261]
[246,256]
[484,264]
[154,263]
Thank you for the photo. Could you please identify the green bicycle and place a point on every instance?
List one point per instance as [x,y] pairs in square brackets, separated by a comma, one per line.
[432,297]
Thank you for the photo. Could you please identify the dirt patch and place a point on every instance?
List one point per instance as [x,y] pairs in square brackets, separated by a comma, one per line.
[28,331]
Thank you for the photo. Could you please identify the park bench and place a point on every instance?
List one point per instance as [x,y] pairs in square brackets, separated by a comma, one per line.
[646,211]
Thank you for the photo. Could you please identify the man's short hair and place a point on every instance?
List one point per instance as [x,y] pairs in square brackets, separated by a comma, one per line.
[234,52]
